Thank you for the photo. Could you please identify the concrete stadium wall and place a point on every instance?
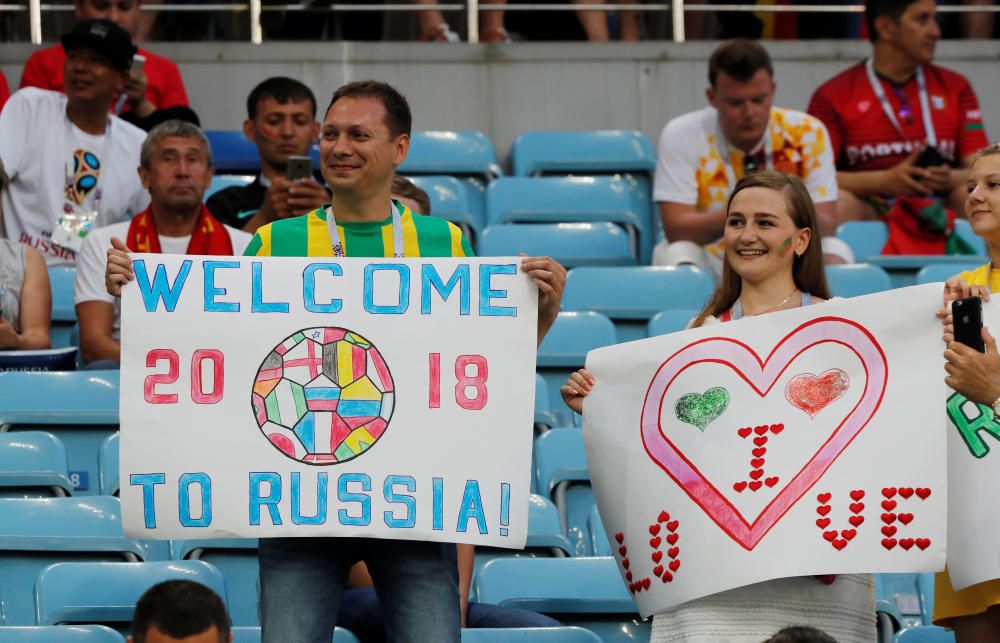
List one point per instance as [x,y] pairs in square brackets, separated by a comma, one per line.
[506,90]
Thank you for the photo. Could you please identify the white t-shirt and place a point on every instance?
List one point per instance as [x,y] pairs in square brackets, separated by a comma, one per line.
[93,258]
[37,150]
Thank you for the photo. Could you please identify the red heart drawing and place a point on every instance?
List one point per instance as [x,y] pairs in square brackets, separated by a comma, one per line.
[755,485]
[675,565]
[667,577]
[905,518]
[823,510]
[738,487]
[773,480]
[654,529]
[888,505]
[923,543]
[654,542]
[744,432]
[824,498]
[889,531]
[758,452]
[628,575]
[620,537]
[761,376]
[756,473]
[812,393]
[839,544]
[888,518]
[645,583]
[625,564]
[889,492]
[857,494]
[672,526]
[848,534]
[673,551]
[830,535]
[906,543]
[760,441]
[906,492]
[856,520]
[757,463]
[777,428]
[760,430]
[923,492]
[663,517]
[657,555]
[622,550]
[658,570]
[672,539]
[857,507]
[822,523]
[888,543]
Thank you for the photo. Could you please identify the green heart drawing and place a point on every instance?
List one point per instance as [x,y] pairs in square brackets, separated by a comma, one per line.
[700,409]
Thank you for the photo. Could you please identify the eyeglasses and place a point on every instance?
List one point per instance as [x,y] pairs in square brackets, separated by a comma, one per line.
[905,112]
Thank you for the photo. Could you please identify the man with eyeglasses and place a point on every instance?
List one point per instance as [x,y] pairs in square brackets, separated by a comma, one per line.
[704,153]
[899,125]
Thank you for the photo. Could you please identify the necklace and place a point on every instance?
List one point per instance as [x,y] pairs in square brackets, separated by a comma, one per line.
[777,305]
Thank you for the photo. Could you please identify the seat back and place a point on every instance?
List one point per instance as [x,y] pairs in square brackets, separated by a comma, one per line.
[459,153]
[33,464]
[564,350]
[909,595]
[866,238]
[222,181]
[583,152]
[964,230]
[944,271]
[236,559]
[561,472]
[107,463]
[460,202]
[62,281]
[530,635]
[854,280]
[670,321]
[61,634]
[925,634]
[232,153]
[598,536]
[571,244]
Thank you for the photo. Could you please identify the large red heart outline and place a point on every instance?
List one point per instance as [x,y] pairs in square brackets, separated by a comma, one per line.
[761,377]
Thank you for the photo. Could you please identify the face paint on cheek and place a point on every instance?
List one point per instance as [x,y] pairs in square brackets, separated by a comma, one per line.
[785,245]
[268,133]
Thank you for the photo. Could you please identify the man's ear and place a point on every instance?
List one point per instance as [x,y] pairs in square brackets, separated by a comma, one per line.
[249,131]
[710,96]
[144,177]
[884,27]
[402,148]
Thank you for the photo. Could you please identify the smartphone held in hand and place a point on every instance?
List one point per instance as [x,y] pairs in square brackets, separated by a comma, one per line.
[299,167]
[967,316]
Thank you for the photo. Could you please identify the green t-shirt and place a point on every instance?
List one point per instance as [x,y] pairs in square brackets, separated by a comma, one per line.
[307,236]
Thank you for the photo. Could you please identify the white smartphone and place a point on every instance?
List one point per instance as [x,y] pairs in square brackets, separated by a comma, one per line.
[138,60]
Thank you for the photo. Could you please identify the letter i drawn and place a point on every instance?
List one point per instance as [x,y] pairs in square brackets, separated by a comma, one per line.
[759,436]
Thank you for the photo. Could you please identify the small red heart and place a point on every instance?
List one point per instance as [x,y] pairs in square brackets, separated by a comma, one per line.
[760,430]
[823,510]
[672,539]
[631,588]
[645,583]
[738,487]
[675,565]
[658,570]
[744,432]
[663,517]
[906,543]
[758,452]
[760,440]
[620,537]
[625,563]
[857,507]
[657,556]
[777,428]
[755,485]
[667,577]
[622,550]
[757,463]
[839,544]
[848,534]
[923,543]
[628,575]
[923,492]
[888,518]
[824,498]
[889,492]
[822,523]
[654,542]
[888,505]
[889,531]
[654,529]
[830,535]
[756,474]
[888,543]
[905,518]
[773,480]
[857,494]
[673,551]
[906,492]
[672,526]
[856,520]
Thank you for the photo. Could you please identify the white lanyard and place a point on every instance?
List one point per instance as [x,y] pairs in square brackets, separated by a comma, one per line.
[397,232]
[103,159]
[727,162]
[925,108]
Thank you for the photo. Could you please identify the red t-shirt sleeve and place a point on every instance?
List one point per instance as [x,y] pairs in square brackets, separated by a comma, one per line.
[4,91]
[37,71]
[972,135]
[166,87]
[823,108]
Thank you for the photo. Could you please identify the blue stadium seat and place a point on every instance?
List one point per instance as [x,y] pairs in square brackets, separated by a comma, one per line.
[866,238]
[106,593]
[252,635]
[583,152]
[630,297]
[544,419]
[460,202]
[35,533]
[571,244]
[236,559]
[910,597]
[571,200]
[545,535]
[107,466]
[61,280]
[585,592]
[670,321]
[925,634]
[854,280]
[530,635]
[564,350]
[561,472]
[33,465]
[964,230]
[60,634]
[945,271]
[459,153]
[80,408]
[223,181]
[598,536]
[232,153]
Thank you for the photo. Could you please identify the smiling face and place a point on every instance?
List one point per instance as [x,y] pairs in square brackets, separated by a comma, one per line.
[744,107]
[178,174]
[761,239]
[915,33]
[281,130]
[90,77]
[358,152]
[982,205]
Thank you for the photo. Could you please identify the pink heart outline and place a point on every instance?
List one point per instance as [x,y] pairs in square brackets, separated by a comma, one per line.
[743,360]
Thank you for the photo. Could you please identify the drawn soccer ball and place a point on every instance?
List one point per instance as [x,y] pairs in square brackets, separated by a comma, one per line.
[323,396]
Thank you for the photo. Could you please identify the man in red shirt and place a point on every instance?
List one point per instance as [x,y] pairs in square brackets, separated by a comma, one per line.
[156,87]
[884,113]
[4,90]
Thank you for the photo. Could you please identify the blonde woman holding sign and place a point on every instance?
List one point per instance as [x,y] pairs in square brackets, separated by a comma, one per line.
[773,262]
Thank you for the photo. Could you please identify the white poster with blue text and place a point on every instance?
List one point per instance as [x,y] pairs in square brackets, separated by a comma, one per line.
[381,398]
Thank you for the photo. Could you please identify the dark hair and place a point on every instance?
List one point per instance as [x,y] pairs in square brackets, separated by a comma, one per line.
[807,269]
[281,89]
[740,59]
[404,187]
[179,608]
[801,634]
[397,110]
[892,8]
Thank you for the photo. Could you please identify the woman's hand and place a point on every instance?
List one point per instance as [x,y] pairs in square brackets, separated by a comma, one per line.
[954,289]
[577,387]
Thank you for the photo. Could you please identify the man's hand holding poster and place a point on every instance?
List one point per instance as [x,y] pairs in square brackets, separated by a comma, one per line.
[805,442]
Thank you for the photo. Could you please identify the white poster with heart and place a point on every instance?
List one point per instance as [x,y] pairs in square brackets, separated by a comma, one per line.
[805,442]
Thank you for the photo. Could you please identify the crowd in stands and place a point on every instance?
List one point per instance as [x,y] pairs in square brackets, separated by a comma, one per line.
[102,156]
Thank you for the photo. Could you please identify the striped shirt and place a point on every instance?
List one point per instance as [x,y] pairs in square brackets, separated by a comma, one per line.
[307,236]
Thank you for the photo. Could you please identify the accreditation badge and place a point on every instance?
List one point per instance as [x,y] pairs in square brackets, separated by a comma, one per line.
[73,226]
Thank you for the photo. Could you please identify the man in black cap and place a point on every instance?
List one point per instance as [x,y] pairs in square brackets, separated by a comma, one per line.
[68,166]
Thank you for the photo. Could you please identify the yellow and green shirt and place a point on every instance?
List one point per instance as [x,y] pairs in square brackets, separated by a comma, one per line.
[307,236]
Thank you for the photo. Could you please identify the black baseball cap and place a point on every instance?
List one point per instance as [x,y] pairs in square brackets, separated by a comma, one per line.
[105,37]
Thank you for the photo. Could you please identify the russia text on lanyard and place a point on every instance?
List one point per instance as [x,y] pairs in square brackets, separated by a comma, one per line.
[103,159]
[397,232]
[722,145]
[925,108]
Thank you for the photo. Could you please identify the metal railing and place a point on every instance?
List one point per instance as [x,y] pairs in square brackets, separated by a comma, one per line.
[677,8]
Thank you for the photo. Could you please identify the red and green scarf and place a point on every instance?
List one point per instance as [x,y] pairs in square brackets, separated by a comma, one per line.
[209,237]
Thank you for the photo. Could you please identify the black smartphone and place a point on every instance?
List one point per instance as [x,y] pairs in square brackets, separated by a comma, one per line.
[299,167]
[967,317]
[930,157]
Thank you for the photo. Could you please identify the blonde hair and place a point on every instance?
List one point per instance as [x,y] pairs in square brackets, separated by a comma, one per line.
[989,150]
